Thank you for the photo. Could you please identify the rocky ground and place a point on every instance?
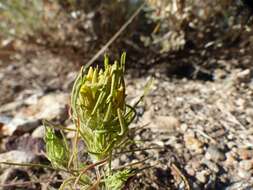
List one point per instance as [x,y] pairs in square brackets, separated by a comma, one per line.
[196,133]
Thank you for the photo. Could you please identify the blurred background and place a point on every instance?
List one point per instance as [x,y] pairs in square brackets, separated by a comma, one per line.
[199,52]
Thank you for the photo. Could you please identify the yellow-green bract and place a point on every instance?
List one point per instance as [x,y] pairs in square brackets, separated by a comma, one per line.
[117,180]
[56,147]
[99,110]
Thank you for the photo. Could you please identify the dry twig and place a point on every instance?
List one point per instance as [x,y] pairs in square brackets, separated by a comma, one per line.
[115,36]
[174,168]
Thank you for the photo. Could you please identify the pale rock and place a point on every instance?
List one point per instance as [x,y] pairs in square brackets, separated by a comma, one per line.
[159,123]
[16,156]
[201,176]
[11,174]
[159,143]
[244,174]
[230,160]
[245,153]
[184,127]
[33,99]
[244,76]
[246,164]
[213,153]
[19,124]
[190,171]
[11,106]
[171,141]
[71,134]
[231,144]
[240,185]
[179,148]
[195,163]
[137,138]
[193,143]
[115,163]
[4,120]
[230,136]
[249,112]
[211,165]
[48,107]
[39,132]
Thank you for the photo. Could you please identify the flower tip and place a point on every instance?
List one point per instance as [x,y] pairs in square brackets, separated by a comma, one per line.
[90,74]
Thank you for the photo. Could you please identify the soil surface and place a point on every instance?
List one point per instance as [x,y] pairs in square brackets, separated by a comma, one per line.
[194,126]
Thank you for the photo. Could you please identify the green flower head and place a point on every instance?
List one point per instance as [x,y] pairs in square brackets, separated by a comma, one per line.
[99,108]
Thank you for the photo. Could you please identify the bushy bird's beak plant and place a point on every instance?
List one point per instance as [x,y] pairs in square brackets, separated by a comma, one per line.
[101,117]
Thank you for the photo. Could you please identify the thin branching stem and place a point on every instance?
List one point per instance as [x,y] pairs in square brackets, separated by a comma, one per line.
[138,150]
[88,168]
[39,165]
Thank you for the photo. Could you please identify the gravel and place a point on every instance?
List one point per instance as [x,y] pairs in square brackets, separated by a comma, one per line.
[196,132]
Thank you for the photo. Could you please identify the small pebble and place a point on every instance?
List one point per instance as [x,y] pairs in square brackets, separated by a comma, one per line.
[184,127]
[246,164]
[231,144]
[230,137]
[17,157]
[244,76]
[50,106]
[244,174]
[171,141]
[158,142]
[230,160]
[20,124]
[212,166]
[213,153]
[13,174]
[201,176]
[193,143]
[240,185]
[190,171]
[195,163]
[115,163]
[39,132]
[245,153]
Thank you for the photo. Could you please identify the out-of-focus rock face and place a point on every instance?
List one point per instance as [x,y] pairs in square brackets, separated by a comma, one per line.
[50,107]
[15,156]
[19,124]
[14,174]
